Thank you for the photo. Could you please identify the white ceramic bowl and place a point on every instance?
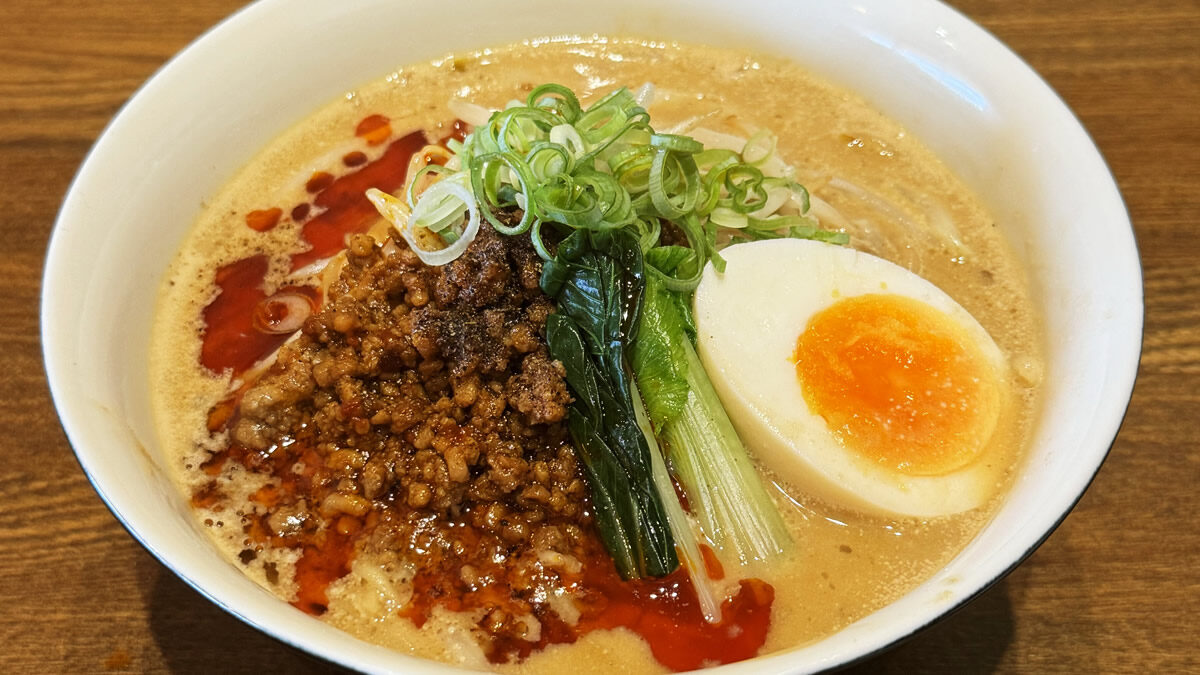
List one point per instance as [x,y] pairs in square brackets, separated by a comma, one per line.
[990,117]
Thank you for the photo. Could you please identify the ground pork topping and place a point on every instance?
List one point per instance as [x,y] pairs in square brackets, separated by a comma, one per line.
[419,415]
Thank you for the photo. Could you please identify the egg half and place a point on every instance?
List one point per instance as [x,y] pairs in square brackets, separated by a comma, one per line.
[854,379]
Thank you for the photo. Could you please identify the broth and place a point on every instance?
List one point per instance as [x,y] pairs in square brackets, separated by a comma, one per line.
[893,196]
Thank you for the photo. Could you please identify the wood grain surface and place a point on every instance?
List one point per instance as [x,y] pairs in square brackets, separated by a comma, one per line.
[1115,589]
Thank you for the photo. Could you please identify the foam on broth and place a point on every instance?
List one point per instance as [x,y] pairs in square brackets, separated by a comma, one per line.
[891,191]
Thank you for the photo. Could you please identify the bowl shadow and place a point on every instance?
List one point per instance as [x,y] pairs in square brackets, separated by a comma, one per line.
[973,639]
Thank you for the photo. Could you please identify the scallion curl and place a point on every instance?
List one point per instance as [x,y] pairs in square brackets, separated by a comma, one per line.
[556,99]
[514,162]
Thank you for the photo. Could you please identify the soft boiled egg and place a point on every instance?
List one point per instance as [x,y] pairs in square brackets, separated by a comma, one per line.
[852,378]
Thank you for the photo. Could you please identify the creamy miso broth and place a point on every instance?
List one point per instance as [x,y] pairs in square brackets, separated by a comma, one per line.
[867,175]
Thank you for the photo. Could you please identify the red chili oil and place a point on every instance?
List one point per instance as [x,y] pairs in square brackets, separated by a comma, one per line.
[354,158]
[264,219]
[458,131]
[374,129]
[300,212]
[343,208]
[319,565]
[318,182]
[232,340]
[663,611]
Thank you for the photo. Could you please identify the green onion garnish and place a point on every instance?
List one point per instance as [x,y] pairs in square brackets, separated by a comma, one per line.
[605,167]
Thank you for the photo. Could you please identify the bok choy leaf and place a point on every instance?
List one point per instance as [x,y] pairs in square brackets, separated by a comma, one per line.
[598,280]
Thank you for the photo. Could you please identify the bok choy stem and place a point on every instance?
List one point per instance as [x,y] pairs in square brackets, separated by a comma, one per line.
[724,491]
[686,542]
[723,488]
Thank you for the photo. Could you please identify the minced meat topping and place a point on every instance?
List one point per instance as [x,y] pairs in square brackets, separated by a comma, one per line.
[418,414]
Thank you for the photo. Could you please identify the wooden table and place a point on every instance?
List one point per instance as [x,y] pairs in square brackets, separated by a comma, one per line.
[1116,588]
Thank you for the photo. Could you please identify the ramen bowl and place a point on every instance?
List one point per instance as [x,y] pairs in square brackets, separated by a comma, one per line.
[975,104]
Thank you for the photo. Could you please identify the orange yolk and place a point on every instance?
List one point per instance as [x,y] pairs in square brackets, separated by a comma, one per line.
[898,382]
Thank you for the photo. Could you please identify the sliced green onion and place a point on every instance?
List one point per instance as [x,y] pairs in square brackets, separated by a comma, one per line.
[648,232]
[727,217]
[480,169]
[674,184]
[566,136]
[424,171]
[547,158]
[535,235]
[409,223]
[556,99]
[676,143]
[759,148]
[745,186]
[605,167]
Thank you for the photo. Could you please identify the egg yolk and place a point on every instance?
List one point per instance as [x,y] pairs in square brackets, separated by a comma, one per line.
[898,382]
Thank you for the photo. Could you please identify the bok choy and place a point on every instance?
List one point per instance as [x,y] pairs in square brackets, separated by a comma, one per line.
[725,493]
[597,280]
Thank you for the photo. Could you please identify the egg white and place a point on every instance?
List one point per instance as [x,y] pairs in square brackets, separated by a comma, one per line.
[748,321]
